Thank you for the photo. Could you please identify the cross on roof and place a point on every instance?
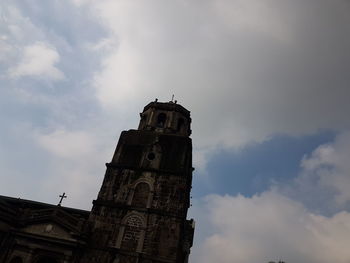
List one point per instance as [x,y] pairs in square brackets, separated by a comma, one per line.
[62,196]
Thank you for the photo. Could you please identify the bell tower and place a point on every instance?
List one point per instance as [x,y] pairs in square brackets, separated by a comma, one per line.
[140,213]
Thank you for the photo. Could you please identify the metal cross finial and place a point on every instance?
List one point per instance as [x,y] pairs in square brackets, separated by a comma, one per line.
[62,196]
[172,98]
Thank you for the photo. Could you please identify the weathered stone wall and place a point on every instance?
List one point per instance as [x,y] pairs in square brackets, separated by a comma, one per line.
[142,205]
[160,199]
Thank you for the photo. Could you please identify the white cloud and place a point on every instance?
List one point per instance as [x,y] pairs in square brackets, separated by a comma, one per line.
[270,227]
[39,60]
[76,163]
[66,144]
[284,223]
[324,180]
[16,30]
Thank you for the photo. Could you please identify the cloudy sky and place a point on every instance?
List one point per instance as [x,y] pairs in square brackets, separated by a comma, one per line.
[267,84]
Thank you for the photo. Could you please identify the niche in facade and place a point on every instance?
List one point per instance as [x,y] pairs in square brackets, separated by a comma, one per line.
[141,195]
[161,119]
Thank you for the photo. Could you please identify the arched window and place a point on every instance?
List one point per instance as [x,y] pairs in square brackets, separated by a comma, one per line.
[141,195]
[180,124]
[132,233]
[161,119]
[16,260]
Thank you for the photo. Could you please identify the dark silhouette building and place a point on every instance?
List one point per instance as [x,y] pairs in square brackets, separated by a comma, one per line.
[139,215]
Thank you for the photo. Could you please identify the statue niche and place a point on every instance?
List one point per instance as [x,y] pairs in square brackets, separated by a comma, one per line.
[141,195]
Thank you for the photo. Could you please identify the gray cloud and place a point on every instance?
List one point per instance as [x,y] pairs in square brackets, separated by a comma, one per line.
[249,69]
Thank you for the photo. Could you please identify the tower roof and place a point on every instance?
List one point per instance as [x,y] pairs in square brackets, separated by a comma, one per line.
[168,106]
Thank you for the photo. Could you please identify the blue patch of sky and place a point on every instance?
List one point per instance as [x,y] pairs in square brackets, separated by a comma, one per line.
[253,169]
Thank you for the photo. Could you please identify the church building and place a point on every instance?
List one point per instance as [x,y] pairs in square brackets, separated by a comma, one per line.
[139,215]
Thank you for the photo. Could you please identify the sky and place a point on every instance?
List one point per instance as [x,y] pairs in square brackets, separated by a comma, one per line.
[267,84]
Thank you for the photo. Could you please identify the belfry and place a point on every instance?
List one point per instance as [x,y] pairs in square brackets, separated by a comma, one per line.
[140,214]
[142,205]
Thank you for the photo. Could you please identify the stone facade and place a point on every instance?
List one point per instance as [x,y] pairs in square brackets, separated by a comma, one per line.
[140,212]
[37,232]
